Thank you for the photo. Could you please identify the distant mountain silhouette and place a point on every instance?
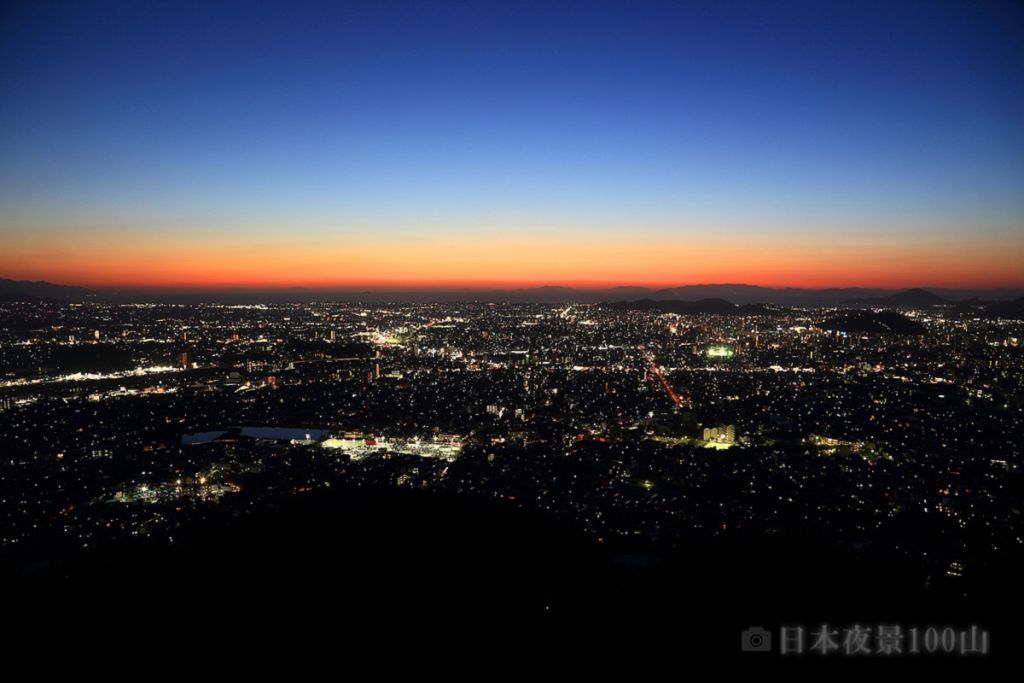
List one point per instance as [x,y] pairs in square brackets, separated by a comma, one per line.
[882,322]
[630,289]
[552,294]
[735,293]
[751,294]
[24,290]
[713,291]
[915,298]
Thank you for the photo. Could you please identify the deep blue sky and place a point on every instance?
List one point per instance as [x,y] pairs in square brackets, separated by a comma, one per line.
[389,113]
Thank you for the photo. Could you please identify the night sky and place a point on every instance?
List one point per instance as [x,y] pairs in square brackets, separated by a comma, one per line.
[473,143]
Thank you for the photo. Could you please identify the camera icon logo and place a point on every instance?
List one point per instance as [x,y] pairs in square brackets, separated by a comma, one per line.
[756,639]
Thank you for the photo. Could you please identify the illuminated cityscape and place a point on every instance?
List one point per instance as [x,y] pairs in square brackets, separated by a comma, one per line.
[653,340]
[644,432]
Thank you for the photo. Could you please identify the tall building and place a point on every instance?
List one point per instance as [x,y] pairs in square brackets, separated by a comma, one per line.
[726,434]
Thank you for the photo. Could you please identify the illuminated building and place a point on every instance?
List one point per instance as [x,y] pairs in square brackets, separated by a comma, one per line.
[725,435]
[720,351]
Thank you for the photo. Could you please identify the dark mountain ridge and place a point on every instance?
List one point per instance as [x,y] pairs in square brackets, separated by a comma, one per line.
[734,293]
[25,290]
[911,298]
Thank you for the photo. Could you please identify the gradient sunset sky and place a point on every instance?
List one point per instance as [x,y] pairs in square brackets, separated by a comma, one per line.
[482,143]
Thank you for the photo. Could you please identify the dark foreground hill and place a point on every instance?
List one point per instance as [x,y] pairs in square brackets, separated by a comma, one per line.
[1007,309]
[702,306]
[396,578]
[872,322]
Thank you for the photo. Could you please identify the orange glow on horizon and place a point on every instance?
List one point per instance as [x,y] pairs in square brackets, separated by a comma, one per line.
[490,262]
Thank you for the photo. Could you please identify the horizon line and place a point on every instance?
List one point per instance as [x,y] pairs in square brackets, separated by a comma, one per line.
[448,286]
